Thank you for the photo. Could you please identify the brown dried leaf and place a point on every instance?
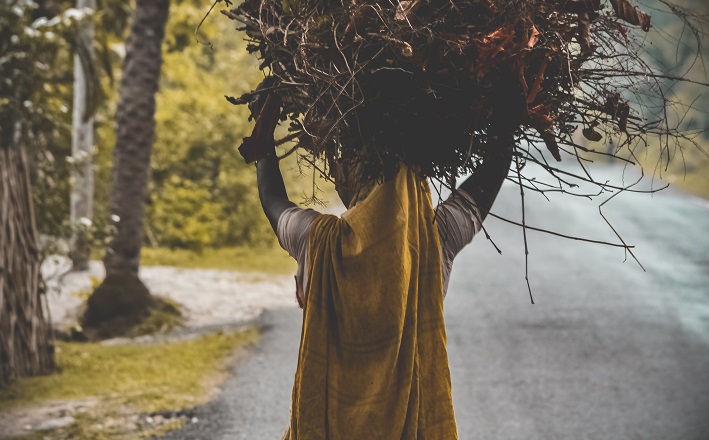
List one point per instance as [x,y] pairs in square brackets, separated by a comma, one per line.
[534,37]
[618,109]
[539,115]
[261,142]
[584,32]
[551,144]
[541,121]
[538,80]
[405,8]
[495,42]
[623,115]
[631,14]
[591,134]
[623,31]
[406,50]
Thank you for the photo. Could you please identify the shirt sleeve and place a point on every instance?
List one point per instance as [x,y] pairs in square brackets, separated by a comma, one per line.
[458,221]
[293,231]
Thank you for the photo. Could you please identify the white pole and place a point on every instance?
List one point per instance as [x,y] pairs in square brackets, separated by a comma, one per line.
[82,142]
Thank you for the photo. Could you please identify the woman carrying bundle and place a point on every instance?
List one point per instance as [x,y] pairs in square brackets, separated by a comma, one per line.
[373,362]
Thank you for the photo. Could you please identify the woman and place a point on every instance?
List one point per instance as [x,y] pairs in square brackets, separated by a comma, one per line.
[373,362]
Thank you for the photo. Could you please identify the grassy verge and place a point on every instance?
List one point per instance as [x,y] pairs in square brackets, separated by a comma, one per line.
[126,381]
[696,183]
[272,260]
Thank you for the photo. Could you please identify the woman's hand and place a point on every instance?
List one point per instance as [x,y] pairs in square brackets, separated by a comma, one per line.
[261,143]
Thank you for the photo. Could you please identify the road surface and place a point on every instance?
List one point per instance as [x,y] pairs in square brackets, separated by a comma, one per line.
[608,351]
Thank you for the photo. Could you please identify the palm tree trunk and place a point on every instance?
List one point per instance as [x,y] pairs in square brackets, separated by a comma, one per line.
[122,296]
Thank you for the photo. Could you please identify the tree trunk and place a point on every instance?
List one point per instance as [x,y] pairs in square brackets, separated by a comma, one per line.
[25,335]
[82,140]
[122,299]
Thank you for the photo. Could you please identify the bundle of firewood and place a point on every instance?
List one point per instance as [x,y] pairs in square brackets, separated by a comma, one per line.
[429,82]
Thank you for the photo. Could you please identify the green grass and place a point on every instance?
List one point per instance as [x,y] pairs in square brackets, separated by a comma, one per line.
[272,260]
[144,377]
[164,317]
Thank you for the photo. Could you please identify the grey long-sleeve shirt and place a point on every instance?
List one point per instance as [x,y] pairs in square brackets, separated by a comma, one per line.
[457,220]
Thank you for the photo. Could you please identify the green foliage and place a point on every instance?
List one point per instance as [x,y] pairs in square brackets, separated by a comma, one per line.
[203,195]
[34,90]
[186,215]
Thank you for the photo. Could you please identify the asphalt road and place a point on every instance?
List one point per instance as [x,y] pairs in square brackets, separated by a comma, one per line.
[608,351]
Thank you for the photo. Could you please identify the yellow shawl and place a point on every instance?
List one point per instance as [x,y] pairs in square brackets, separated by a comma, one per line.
[373,362]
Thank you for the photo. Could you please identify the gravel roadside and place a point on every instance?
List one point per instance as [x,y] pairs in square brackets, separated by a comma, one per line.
[210,298]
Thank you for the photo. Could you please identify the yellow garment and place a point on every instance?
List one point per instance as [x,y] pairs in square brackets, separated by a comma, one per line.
[373,362]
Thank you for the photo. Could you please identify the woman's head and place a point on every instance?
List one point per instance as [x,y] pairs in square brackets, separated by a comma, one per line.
[355,180]
[350,182]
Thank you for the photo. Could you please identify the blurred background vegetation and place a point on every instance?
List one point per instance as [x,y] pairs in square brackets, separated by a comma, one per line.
[677,51]
[202,196]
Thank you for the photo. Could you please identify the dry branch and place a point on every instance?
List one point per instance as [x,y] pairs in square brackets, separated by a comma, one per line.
[415,80]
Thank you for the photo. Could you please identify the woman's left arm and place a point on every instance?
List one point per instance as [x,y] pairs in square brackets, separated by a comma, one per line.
[271,189]
[260,147]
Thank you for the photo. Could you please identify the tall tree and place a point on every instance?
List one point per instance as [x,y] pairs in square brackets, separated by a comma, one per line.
[122,299]
[82,139]
[28,49]
[25,346]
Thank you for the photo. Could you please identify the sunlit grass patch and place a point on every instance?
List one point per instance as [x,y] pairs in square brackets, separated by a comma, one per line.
[150,377]
[272,260]
[127,380]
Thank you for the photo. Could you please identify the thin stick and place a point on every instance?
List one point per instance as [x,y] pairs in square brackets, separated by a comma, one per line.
[524,229]
[557,234]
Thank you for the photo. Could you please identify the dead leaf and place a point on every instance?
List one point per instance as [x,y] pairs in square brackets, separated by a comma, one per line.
[623,31]
[540,118]
[584,32]
[631,14]
[551,144]
[405,8]
[534,38]
[490,45]
[261,142]
[618,109]
[591,134]
[538,80]
[406,50]
[623,115]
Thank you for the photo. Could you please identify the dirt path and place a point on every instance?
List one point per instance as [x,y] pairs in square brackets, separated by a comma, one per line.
[209,297]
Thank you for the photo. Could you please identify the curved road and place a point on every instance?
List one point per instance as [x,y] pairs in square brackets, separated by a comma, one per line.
[608,351]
